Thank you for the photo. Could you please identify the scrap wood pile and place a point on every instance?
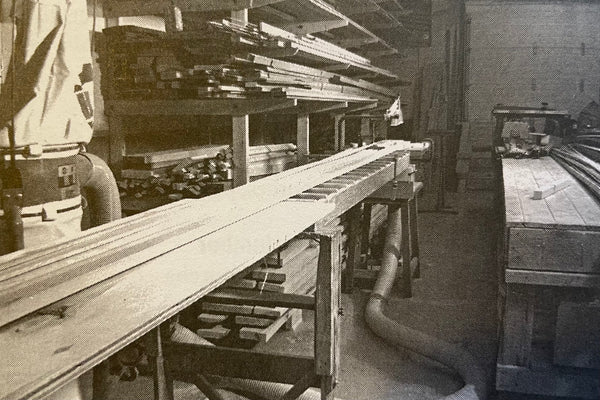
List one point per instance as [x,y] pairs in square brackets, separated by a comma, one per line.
[196,172]
[290,269]
[228,60]
[581,158]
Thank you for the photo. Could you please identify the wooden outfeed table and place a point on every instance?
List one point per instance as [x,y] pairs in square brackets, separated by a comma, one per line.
[550,276]
[70,304]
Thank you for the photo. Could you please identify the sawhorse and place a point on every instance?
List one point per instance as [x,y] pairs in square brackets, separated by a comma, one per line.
[400,194]
[192,363]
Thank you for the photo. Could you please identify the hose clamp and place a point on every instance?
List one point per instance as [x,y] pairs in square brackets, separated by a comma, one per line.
[378,296]
[36,151]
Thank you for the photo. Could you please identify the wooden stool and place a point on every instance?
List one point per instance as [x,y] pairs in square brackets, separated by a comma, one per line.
[400,194]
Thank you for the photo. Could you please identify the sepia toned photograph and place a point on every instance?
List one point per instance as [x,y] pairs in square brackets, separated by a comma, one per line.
[299,199]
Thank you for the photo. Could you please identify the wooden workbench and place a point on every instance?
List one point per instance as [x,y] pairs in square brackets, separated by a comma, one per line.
[550,272]
[44,350]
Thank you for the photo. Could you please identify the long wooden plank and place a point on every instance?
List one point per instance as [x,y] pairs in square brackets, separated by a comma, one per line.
[214,213]
[549,381]
[286,254]
[148,295]
[196,106]
[123,8]
[552,250]
[569,208]
[552,278]
[348,197]
[586,206]
[177,154]
[69,247]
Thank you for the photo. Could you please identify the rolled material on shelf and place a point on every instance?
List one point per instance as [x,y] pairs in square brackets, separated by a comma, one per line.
[582,160]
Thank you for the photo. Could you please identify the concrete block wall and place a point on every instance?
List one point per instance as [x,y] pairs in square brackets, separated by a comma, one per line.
[527,52]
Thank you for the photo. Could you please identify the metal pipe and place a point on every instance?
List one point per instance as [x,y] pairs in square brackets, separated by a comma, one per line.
[100,189]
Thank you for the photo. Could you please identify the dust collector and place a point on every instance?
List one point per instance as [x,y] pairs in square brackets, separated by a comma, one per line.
[46,117]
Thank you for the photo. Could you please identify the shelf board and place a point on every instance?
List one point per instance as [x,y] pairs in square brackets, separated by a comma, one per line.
[198,106]
[364,108]
[313,107]
[294,103]
[130,8]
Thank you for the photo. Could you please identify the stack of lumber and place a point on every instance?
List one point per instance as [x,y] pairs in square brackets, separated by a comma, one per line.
[279,43]
[228,60]
[268,75]
[271,159]
[582,159]
[290,269]
[191,172]
[175,173]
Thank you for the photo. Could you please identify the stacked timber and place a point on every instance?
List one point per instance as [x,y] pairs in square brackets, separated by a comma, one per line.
[229,60]
[271,159]
[198,171]
[290,269]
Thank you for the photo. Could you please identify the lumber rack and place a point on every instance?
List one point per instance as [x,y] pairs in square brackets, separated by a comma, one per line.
[192,362]
[398,193]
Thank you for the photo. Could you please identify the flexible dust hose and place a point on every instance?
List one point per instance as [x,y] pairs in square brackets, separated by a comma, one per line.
[236,388]
[264,390]
[391,331]
[100,189]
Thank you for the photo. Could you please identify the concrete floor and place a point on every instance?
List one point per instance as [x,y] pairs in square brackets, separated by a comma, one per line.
[455,299]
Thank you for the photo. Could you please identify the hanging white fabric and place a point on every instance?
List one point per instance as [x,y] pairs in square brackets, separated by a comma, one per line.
[52,101]
[394,113]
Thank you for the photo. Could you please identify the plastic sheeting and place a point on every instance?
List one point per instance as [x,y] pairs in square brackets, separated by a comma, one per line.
[52,101]
[394,113]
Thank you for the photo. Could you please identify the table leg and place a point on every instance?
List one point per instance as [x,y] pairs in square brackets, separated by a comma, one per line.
[366,228]
[327,308]
[100,381]
[414,236]
[406,275]
[163,384]
[354,248]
